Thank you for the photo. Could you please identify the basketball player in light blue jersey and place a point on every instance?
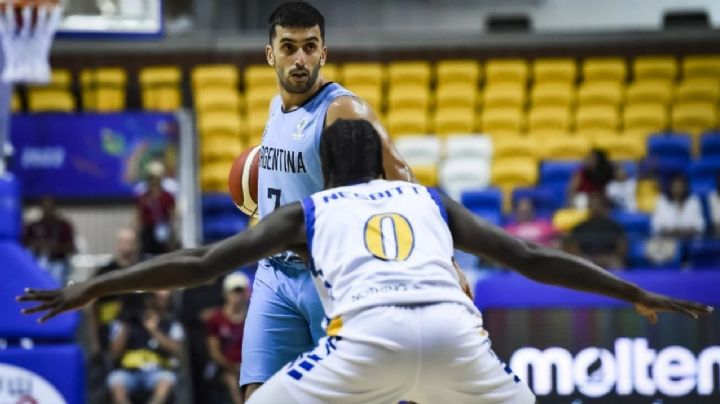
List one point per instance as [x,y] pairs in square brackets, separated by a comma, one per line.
[285,314]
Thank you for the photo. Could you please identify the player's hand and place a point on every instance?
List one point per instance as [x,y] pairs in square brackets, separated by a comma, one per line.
[56,301]
[649,304]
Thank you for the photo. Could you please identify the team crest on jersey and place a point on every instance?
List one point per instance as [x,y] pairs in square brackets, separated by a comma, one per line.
[299,133]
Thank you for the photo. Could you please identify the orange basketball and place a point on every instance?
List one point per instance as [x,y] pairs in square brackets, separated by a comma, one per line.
[243,181]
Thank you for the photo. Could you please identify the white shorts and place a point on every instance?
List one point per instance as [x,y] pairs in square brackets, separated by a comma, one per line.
[436,353]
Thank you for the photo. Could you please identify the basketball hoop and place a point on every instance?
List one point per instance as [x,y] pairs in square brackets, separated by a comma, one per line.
[27,28]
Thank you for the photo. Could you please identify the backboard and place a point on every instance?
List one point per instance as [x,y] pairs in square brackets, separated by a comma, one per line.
[111,18]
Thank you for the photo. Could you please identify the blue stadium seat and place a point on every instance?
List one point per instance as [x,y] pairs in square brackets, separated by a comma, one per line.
[486,203]
[637,257]
[215,203]
[631,167]
[669,153]
[636,224]
[705,254]
[710,145]
[217,227]
[545,200]
[555,176]
[703,174]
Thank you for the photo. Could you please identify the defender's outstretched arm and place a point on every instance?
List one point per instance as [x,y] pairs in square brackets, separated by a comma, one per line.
[551,266]
[279,231]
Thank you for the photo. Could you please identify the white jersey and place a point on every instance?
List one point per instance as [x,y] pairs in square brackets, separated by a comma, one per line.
[380,243]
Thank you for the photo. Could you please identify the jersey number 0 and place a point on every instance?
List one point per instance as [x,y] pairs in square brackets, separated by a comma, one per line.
[389,237]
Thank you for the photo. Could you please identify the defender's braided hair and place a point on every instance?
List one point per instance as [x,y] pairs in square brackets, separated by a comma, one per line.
[350,151]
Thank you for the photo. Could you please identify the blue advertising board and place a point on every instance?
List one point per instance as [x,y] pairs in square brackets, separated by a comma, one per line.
[89,156]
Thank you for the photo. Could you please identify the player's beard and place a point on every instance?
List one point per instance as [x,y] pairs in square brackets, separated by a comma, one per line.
[303,87]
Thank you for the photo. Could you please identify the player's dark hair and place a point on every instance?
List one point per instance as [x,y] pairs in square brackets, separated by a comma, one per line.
[350,151]
[296,14]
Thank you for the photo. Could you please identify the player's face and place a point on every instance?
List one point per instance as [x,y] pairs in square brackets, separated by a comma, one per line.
[297,55]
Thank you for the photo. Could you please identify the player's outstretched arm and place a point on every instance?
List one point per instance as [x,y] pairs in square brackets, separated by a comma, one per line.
[551,266]
[354,108]
[279,231]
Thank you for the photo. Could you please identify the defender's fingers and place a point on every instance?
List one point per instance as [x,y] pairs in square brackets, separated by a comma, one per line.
[50,315]
[42,297]
[651,317]
[42,307]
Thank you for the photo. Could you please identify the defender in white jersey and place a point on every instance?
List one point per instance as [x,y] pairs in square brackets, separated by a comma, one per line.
[380,254]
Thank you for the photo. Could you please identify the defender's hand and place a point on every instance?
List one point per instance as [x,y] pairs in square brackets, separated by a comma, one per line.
[56,301]
[649,304]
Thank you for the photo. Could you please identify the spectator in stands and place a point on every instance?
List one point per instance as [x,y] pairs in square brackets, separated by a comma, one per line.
[594,175]
[225,332]
[599,238]
[106,309]
[157,168]
[621,191]
[528,227]
[678,213]
[51,239]
[156,216]
[714,205]
[146,345]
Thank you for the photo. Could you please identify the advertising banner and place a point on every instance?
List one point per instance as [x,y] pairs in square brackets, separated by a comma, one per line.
[90,156]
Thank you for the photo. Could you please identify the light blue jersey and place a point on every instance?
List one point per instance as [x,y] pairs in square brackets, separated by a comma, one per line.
[285,315]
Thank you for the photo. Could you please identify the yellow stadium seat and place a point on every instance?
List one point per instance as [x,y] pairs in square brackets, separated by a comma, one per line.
[549,119]
[511,172]
[701,66]
[413,73]
[407,122]
[515,146]
[205,76]
[259,98]
[502,121]
[50,100]
[510,95]
[698,90]
[596,93]
[256,121]
[451,120]
[555,70]
[160,87]
[217,99]
[596,135]
[455,95]
[426,174]
[214,176]
[693,118]
[565,220]
[647,118]
[553,94]
[220,124]
[647,194]
[409,96]
[465,72]
[604,69]
[15,103]
[655,68]
[622,147]
[365,74]
[260,75]
[565,148]
[372,94]
[650,91]
[596,118]
[103,89]
[506,70]
[60,78]
[331,72]
[219,148]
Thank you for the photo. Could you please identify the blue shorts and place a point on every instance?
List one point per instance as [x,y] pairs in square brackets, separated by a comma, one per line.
[140,380]
[283,321]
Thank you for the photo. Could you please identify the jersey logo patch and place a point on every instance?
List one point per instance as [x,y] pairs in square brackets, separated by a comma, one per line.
[299,133]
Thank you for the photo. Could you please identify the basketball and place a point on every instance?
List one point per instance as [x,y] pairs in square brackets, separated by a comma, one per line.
[243,181]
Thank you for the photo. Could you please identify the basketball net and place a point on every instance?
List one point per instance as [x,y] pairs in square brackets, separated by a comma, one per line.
[27,29]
